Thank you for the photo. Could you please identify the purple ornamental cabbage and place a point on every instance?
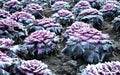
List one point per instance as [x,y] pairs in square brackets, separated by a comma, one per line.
[7,64]
[41,43]
[4,14]
[75,27]
[24,18]
[2,2]
[60,5]
[34,67]
[85,33]
[12,6]
[116,24]
[53,1]
[5,61]
[35,10]
[11,29]
[64,17]
[5,44]
[95,3]
[107,68]
[89,44]
[4,58]
[91,16]
[40,2]
[80,6]
[47,24]
[110,9]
